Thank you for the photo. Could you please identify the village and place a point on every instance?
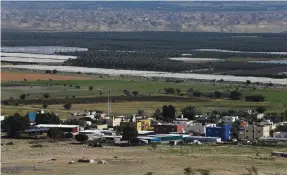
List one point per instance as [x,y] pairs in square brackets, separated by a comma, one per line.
[96,126]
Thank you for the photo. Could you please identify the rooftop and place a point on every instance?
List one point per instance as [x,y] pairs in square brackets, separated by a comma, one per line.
[55,126]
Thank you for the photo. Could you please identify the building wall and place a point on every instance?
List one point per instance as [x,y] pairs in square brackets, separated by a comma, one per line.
[112,122]
[101,127]
[199,128]
[165,129]
[223,132]
[136,125]
[145,124]
[254,132]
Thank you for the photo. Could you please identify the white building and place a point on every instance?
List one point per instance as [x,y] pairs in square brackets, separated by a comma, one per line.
[280,134]
[260,116]
[112,122]
[2,118]
[199,128]
[229,119]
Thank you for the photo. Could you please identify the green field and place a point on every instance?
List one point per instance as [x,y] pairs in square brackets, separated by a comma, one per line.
[275,98]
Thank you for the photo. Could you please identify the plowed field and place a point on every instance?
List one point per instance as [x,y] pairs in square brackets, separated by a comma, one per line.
[20,76]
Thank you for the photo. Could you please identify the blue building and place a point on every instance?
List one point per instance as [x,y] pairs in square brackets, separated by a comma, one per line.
[32,116]
[222,131]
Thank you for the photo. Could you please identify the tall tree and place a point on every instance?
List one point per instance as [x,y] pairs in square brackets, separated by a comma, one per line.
[168,113]
[54,133]
[13,124]
[47,118]
[129,134]
[189,112]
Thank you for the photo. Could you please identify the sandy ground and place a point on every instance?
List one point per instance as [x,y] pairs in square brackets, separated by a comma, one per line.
[20,76]
[20,158]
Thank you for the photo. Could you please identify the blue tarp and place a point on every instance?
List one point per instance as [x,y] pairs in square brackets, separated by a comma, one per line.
[32,116]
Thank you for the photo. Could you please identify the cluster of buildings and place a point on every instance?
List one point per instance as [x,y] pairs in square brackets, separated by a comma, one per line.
[150,130]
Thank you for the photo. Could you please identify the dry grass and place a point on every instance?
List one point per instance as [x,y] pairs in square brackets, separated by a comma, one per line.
[137,161]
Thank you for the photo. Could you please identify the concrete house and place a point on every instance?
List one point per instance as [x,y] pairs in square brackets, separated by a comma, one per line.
[254,132]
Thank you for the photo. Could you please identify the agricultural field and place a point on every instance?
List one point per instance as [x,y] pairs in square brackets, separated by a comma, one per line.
[25,159]
[90,92]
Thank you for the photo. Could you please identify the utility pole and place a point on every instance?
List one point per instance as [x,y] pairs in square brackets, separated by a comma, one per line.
[109,102]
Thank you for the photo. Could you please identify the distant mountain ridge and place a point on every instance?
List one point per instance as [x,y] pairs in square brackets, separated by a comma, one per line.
[240,17]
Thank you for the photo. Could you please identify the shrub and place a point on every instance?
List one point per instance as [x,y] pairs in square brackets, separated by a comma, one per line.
[67,106]
[69,135]
[217,94]
[135,93]
[190,90]
[255,98]
[48,71]
[44,106]
[55,71]
[91,88]
[81,138]
[260,109]
[23,96]
[169,90]
[46,95]
[178,91]
[197,94]
[77,87]
[126,92]
[235,95]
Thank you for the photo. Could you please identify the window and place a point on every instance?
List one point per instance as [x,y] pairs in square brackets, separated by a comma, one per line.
[246,130]
[258,131]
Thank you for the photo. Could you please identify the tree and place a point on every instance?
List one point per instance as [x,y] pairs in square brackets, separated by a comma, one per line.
[190,90]
[235,95]
[81,138]
[197,94]
[217,94]
[178,91]
[141,112]
[248,82]
[235,129]
[23,96]
[47,118]
[81,122]
[91,88]
[126,92]
[54,133]
[48,71]
[188,171]
[169,90]
[55,71]
[260,109]
[135,93]
[46,95]
[168,113]
[13,124]
[157,114]
[255,98]
[67,106]
[129,134]
[44,106]
[69,135]
[189,112]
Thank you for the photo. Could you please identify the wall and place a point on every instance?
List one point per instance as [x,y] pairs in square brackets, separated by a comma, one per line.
[254,132]
[114,122]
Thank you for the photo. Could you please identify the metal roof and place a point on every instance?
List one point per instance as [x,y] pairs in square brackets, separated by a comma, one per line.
[56,126]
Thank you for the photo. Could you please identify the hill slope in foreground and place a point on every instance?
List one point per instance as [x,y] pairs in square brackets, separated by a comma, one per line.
[249,17]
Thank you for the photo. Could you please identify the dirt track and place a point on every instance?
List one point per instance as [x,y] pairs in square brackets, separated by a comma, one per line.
[20,76]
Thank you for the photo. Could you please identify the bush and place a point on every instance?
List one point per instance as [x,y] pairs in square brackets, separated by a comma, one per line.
[48,72]
[260,109]
[255,98]
[178,91]
[248,82]
[23,96]
[55,71]
[190,90]
[77,87]
[126,92]
[197,94]
[46,95]
[169,90]
[235,95]
[67,106]
[44,106]
[69,135]
[91,88]
[81,138]
[217,94]
[135,93]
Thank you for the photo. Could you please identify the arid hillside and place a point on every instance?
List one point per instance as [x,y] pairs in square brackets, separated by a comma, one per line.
[238,17]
